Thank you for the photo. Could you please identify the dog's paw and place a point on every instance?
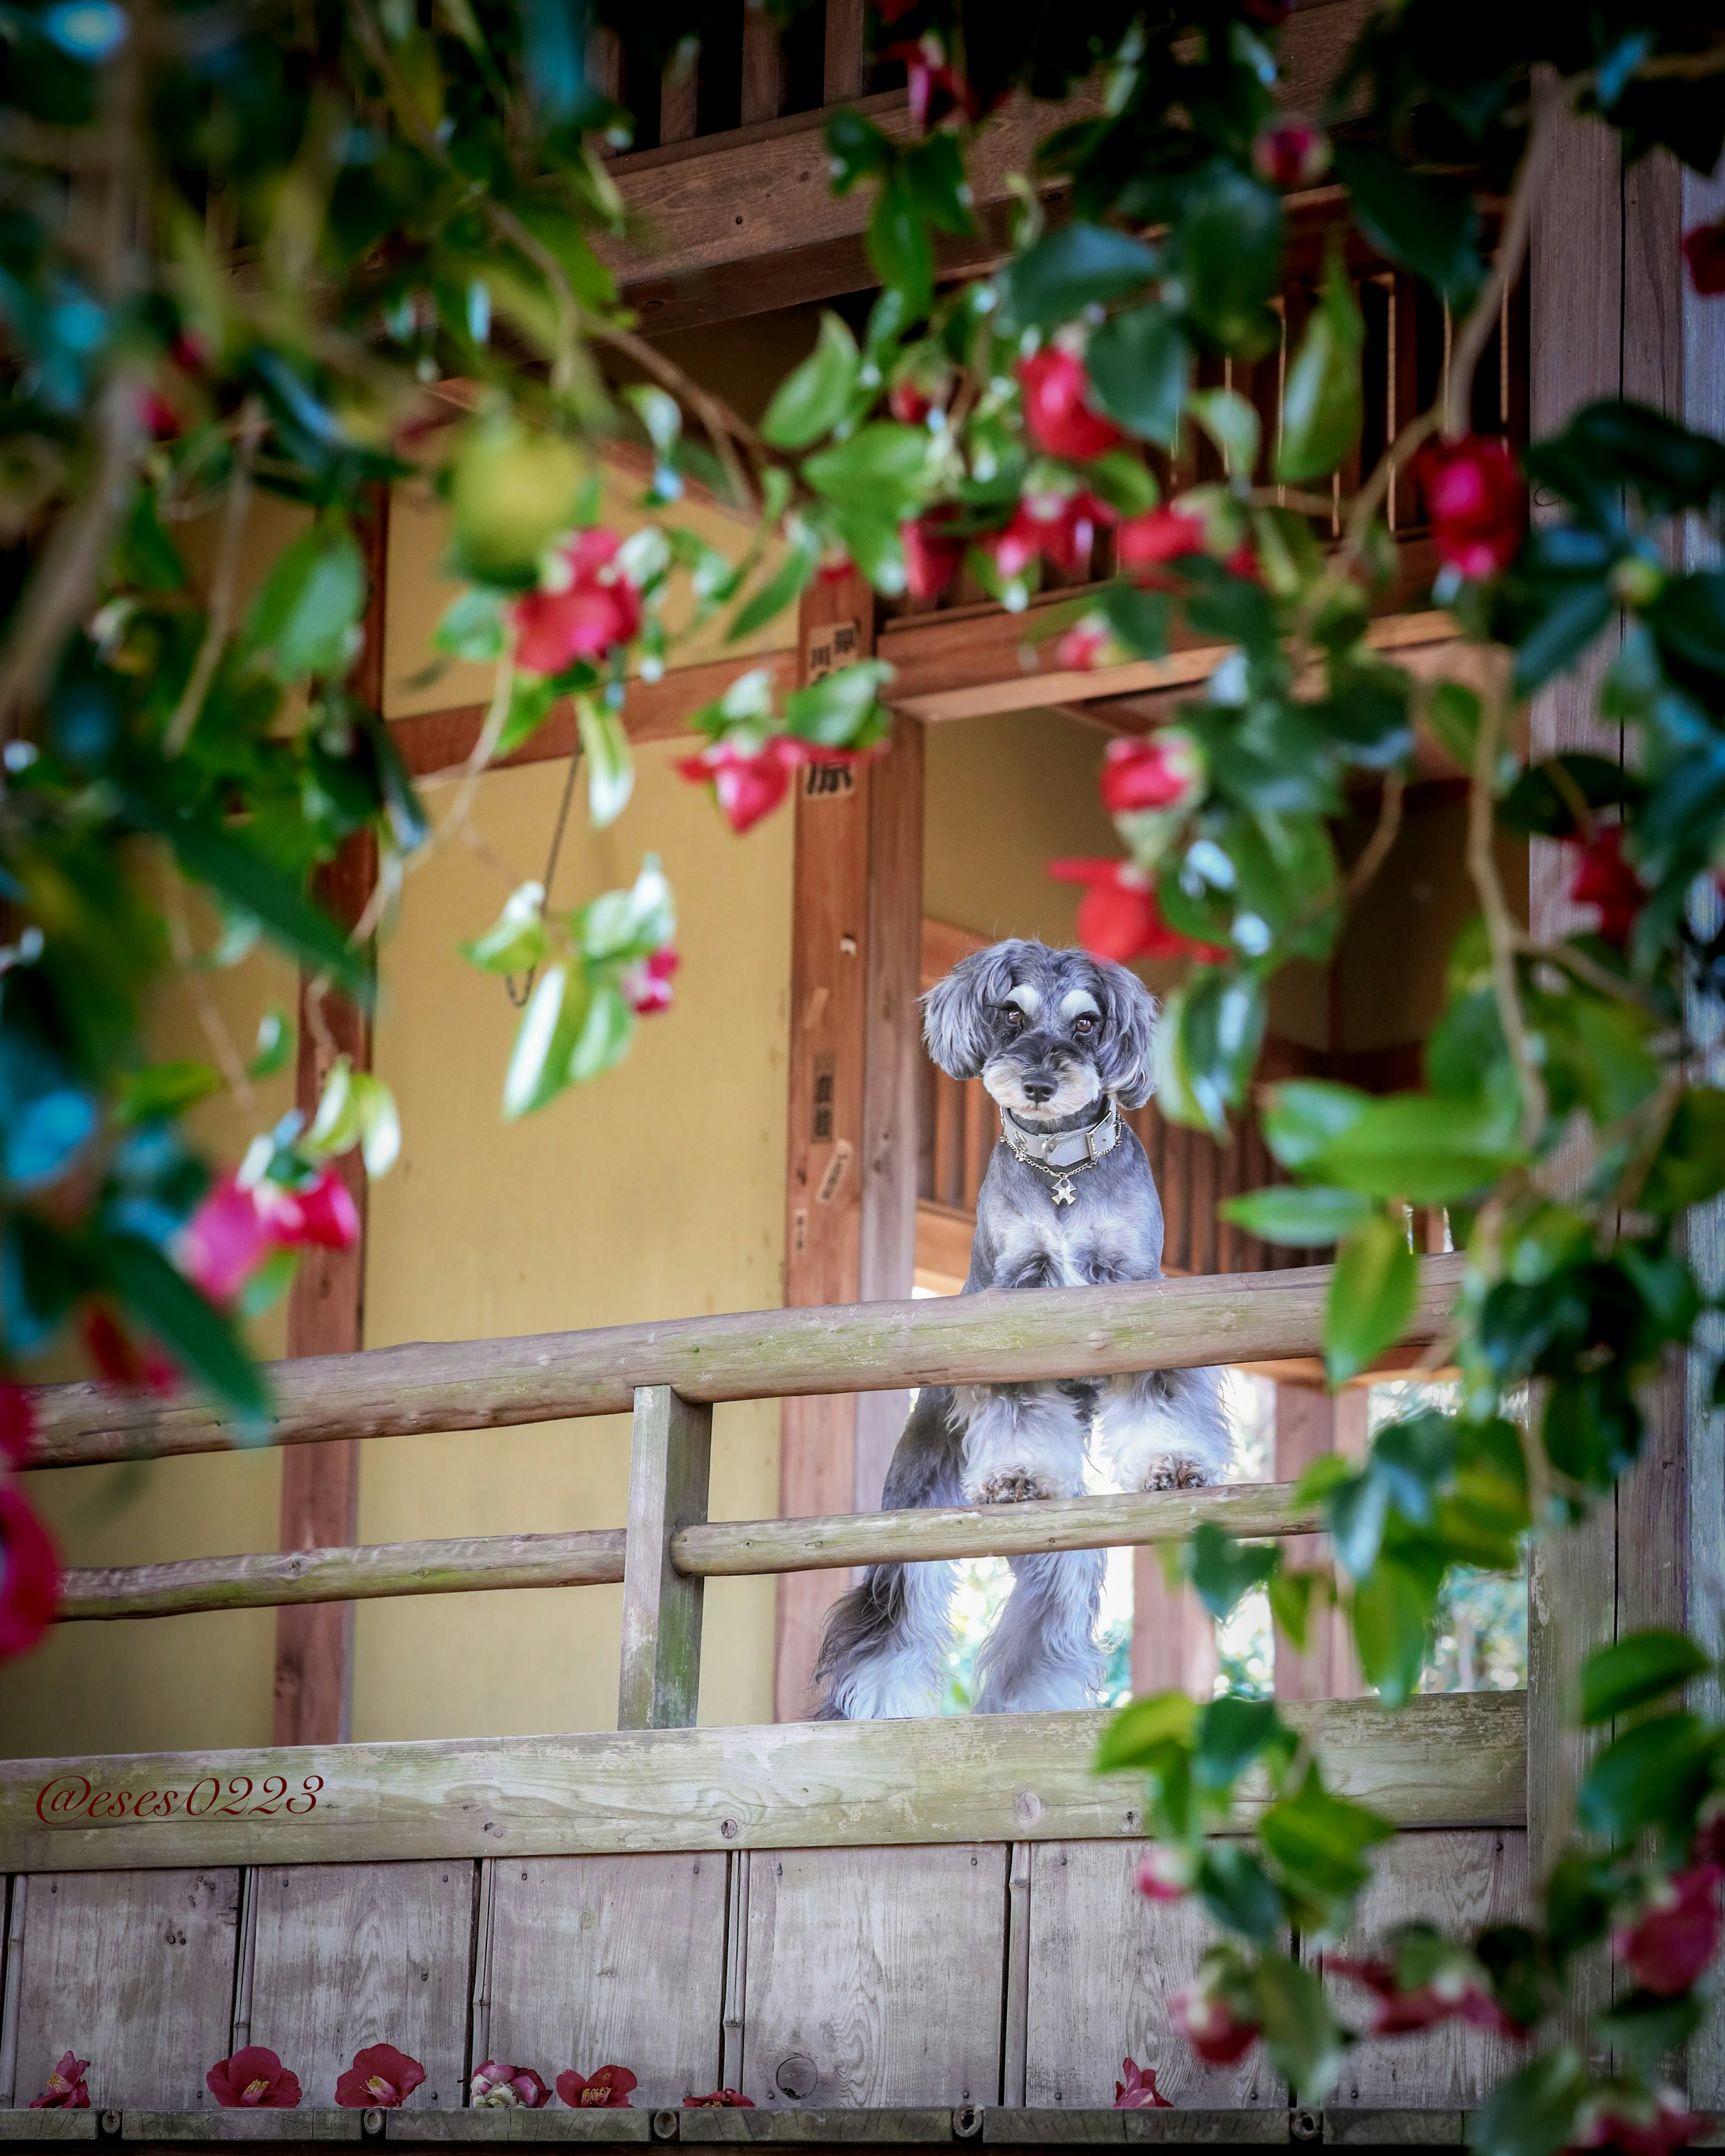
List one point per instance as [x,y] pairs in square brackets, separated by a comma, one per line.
[1013,1486]
[1174,1472]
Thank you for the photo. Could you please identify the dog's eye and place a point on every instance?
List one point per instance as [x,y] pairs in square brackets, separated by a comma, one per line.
[1015,1017]
[1084,1027]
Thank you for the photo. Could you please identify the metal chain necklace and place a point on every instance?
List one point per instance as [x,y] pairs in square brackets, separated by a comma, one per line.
[1061,1174]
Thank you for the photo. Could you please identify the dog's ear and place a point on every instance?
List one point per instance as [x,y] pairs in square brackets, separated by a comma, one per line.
[955,1011]
[1123,1052]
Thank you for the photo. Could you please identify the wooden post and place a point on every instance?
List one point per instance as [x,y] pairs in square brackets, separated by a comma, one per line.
[1309,1424]
[1173,1639]
[830,926]
[319,1484]
[763,68]
[843,71]
[670,1465]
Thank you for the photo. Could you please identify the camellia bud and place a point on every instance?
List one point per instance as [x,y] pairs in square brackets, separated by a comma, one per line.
[1636,582]
[1292,154]
[1165,772]
[1166,1872]
[1058,414]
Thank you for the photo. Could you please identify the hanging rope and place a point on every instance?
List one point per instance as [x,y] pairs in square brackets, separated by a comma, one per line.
[551,870]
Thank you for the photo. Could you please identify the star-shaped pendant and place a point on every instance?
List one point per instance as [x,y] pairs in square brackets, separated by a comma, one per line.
[1063,1193]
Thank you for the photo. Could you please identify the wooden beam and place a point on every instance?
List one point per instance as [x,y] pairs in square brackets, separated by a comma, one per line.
[1005,1336]
[668,1476]
[1450,1759]
[722,1549]
[825,1135]
[432,741]
[313,1679]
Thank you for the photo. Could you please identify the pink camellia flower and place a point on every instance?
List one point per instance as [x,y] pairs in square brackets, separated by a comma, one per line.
[323,1212]
[1457,1993]
[1676,1932]
[253,2079]
[225,1241]
[647,984]
[909,403]
[1087,645]
[1118,917]
[1474,495]
[381,2078]
[1058,414]
[1166,771]
[1292,154]
[66,2090]
[936,86]
[1165,1873]
[595,610]
[1159,535]
[607,2089]
[747,783]
[497,2088]
[1705,247]
[1138,2091]
[1060,528]
[932,557]
[118,1358]
[1629,2119]
[17,1423]
[29,1575]
[1206,2017]
[1603,878]
[725,2099]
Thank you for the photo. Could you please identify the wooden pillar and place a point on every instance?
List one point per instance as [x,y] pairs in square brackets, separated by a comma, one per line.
[669,1475]
[1173,1638]
[320,1483]
[763,65]
[843,71]
[1309,1424]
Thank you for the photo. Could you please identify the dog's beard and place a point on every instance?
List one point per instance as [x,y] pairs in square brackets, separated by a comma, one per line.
[1078,1087]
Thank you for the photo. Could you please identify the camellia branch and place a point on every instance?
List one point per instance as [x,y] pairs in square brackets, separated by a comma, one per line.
[1501,927]
[236,507]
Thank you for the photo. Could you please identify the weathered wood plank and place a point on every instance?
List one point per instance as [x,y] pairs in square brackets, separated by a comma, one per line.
[1398,2129]
[1453,1759]
[271,2127]
[351,1955]
[875,1976]
[1003,1335]
[466,2128]
[792,2128]
[1185,2126]
[1461,1882]
[599,1960]
[49,2126]
[1104,1964]
[135,1968]
[670,1473]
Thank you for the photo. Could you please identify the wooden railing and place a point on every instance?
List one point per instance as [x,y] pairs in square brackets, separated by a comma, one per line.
[670,1376]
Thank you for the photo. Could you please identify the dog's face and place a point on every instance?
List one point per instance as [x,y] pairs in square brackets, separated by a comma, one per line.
[1048,1032]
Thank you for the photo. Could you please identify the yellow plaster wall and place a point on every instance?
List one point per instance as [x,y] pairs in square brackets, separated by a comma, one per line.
[657,1192]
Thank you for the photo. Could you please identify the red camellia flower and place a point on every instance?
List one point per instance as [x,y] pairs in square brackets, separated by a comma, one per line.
[66,2090]
[1060,527]
[1138,2091]
[17,1423]
[1292,154]
[727,2099]
[747,783]
[647,984]
[1455,1993]
[1118,917]
[1475,496]
[323,1212]
[593,612]
[117,1356]
[1603,878]
[1627,2118]
[932,558]
[238,1227]
[1086,646]
[609,2088]
[253,2078]
[381,2078]
[497,2088]
[936,86]
[1165,1874]
[1705,248]
[1159,535]
[1675,1934]
[29,1575]
[1166,771]
[1058,414]
[1205,2017]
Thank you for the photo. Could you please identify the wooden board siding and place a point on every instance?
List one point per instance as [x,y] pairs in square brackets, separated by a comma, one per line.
[1103,1964]
[610,1959]
[135,1968]
[873,1978]
[1460,1881]
[344,1955]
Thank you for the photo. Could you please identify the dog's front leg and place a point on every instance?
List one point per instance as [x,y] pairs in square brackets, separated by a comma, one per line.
[1019,1441]
[1165,1429]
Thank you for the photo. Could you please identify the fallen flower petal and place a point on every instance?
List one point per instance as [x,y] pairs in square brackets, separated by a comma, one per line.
[253,2079]
[381,2078]
[609,2088]
[498,2087]
[727,2098]
[66,2090]
[1138,2091]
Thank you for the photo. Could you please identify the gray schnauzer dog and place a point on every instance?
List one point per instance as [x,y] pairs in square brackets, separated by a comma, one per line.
[1062,1042]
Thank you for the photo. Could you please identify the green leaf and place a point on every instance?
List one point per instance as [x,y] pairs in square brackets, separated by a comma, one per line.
[883,466]
[1426,225]
[164,1089]
[1290,1596]
[1238,1892]
[1533,2111]
[1230,1733]
[1300,2031]
[1138,364]
[608,1027]
[1654,1775]
[1320,1839]
[193,1332]
[1372,1292]
[1229,241]
[1323,408]
[857,147]
[1232,424]
[787,584]
[835,711]
[306,619]
[243,877]
[1392,1609]
[1207,1045]
[812,399]
[1642,1667]
[1645,2027]
[1543,798]
[1299,1215]
[1140,619]
[625,925]
[660,412]
[274,1050]
[1141,1728]
[935,170]
[898,243]
[1302,1116]
[544,1043]
[518,941]
[1075,266]
[1222,1569]
[1690,1165]
[530,699]
[610,763]
[513,489]
[473,626]
[1428,1149]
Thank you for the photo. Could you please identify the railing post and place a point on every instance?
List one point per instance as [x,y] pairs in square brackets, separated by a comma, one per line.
[668,1476]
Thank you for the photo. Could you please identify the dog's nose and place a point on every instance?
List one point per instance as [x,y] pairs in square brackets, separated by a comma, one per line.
[1037,1091]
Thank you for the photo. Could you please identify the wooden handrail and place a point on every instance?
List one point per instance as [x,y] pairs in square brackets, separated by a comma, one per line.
[486,1384]
[721,1550]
